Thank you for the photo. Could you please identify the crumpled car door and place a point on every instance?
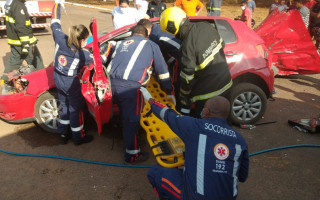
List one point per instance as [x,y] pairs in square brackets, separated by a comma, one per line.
[96,87]
[290,44]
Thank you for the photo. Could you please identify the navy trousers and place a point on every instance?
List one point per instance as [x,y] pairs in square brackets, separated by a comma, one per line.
[72,103]
[130,100]
[167,182]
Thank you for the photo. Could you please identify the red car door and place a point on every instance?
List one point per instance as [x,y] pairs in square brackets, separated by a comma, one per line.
[96,87]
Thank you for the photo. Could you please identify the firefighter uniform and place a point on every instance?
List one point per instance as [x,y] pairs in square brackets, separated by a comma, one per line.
[216,157]
[131,66]
[204,71]
[67,64]
[20,38]
[169,46]
[214,7]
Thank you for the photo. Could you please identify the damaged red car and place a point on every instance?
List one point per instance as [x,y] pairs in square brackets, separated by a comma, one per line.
[248,58]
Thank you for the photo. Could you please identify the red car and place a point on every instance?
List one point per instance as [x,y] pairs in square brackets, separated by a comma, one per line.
[248,59]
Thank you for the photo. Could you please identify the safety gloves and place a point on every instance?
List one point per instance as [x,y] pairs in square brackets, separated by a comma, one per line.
[60,1]
[25,49]
[147,96]
[145,93]
[172,98]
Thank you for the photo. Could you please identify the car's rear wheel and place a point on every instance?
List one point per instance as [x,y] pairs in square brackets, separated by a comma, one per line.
[47,111]
[248,103]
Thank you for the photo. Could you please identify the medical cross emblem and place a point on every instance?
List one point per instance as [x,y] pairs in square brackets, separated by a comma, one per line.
[221,151]
[62,60]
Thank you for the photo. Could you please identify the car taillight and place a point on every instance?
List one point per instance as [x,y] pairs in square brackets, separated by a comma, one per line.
[263,53]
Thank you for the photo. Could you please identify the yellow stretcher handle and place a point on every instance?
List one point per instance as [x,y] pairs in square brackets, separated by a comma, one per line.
[158,130]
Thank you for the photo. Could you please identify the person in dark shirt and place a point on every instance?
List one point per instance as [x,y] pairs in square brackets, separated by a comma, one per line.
[155,8]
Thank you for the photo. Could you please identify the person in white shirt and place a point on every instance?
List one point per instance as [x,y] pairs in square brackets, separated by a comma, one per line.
[141,5]
[123,15]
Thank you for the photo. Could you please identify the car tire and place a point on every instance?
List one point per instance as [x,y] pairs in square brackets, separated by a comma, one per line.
[248,103]
[47,111]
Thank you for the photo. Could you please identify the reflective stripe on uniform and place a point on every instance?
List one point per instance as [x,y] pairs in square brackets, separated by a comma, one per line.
[170,60]
[200,163]
[184,110]
[164,76]
[186,77]
[184,91]
[73,66]
[210,8]
[211,94]
[210,57]
[133,151]
[28,22]
[24,39]
[32,40]
[10,19]
[163,112]
[65,122]
[133,59]
[235,169]
[55,21]
[77,129]
[14,42]
[113,55]
[170,41]
[55,52]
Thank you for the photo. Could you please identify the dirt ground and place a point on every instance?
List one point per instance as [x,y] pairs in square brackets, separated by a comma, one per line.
[287,174]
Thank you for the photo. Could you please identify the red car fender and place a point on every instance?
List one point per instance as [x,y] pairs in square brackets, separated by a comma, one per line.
[288,40]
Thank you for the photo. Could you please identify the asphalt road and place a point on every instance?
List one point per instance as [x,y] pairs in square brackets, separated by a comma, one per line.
[287,174]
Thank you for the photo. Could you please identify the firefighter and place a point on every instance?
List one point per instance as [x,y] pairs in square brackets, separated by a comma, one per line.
[131,67]
[214,8]
[204,72]
[20,38]
[216,155]
[169,46]
[69,59]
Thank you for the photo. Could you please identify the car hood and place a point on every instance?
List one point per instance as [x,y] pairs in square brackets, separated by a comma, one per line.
[289,42]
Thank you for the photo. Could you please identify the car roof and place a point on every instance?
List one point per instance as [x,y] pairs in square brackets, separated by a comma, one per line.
[241,30]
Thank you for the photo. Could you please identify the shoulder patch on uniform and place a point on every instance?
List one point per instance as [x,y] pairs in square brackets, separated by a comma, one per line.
[126,43]
[62,60]
[22,12]
[221,151]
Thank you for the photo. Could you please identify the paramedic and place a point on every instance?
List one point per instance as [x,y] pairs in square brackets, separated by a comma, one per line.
[131,66]
[216,155]
[70,57]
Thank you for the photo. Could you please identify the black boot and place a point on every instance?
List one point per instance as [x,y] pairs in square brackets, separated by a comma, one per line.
[85,139]
[65,136]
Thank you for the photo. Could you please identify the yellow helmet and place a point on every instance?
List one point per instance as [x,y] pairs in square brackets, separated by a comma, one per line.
[171,19]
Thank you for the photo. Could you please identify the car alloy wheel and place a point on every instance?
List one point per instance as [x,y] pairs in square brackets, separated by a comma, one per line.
[47,110]
[248,103]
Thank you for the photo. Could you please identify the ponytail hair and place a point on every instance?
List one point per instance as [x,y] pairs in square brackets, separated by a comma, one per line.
[77,33]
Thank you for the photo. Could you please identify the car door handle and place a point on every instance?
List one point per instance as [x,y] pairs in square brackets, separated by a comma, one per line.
[229,53]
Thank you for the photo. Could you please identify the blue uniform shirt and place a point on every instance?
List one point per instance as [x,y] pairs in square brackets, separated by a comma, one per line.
[66,62]
[216,155]
[168,44]
[133,59]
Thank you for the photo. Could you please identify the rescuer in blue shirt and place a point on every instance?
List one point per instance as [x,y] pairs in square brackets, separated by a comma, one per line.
[70,57]
[169,46]
[216,156]
[131,67]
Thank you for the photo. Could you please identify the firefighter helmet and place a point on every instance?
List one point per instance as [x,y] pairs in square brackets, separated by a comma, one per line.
[171,19]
